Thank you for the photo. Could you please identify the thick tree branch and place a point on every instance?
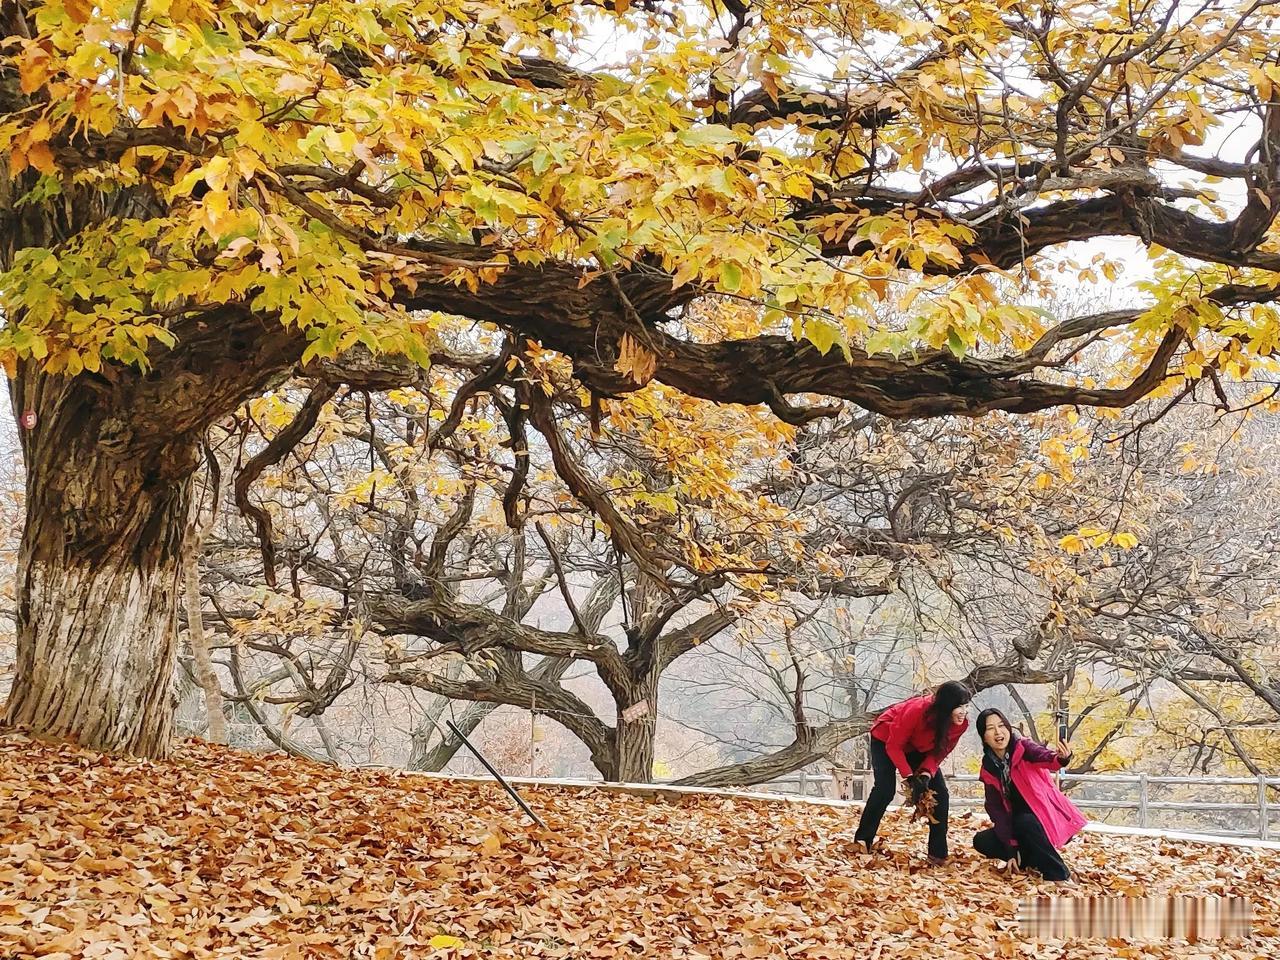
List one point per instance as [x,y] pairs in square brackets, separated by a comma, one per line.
[624,534]
[275,451]
[523,691]
[678,642]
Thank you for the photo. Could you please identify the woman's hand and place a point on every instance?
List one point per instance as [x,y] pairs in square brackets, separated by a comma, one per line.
[1064,750]
[915,786]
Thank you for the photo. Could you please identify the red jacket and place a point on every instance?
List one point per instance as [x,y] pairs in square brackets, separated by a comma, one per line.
[906,727]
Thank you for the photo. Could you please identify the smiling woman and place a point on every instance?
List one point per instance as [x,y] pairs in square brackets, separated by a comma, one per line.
[1032,818]
[200,199]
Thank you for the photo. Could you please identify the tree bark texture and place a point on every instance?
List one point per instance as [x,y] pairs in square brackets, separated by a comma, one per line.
[99,572]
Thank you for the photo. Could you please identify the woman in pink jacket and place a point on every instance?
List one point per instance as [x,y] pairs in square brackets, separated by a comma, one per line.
[913,738]
[1032,819]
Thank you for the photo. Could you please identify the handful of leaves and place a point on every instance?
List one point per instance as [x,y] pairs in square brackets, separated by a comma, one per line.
[926,806]
[923,799]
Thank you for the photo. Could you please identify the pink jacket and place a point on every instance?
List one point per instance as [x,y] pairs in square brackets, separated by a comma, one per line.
[1029,770]
[906,728]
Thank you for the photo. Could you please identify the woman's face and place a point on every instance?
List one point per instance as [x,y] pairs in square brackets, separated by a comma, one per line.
[960,714]
[996,735]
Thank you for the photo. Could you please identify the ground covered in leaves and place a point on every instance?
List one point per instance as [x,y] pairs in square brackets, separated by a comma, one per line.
[225,854]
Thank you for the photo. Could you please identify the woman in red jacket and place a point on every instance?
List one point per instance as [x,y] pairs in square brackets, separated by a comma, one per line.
[1031,818]
[913,738]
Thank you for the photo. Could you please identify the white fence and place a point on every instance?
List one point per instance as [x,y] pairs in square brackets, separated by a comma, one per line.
[1139,796]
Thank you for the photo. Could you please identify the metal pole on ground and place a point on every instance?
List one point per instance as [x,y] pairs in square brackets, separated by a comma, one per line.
[496,775]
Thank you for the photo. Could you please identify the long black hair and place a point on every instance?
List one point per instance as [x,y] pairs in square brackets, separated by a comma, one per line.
[946,698]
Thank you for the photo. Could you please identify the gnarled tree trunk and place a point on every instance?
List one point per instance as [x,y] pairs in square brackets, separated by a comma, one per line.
[99,570]
[636,732]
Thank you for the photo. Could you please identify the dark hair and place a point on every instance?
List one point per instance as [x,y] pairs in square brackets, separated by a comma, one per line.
[986,715]
[946,698]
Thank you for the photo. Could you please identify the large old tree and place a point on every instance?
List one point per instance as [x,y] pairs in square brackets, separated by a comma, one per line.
[199,200]
[1026,550]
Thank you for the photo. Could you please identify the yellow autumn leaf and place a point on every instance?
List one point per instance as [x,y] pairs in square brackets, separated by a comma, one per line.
[40,157]
[1072,543]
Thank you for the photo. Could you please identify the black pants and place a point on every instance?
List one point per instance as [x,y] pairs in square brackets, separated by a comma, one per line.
[1036,851]
[886,780]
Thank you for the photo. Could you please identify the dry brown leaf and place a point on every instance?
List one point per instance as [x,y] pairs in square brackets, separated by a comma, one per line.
[226,854]
[635,361]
